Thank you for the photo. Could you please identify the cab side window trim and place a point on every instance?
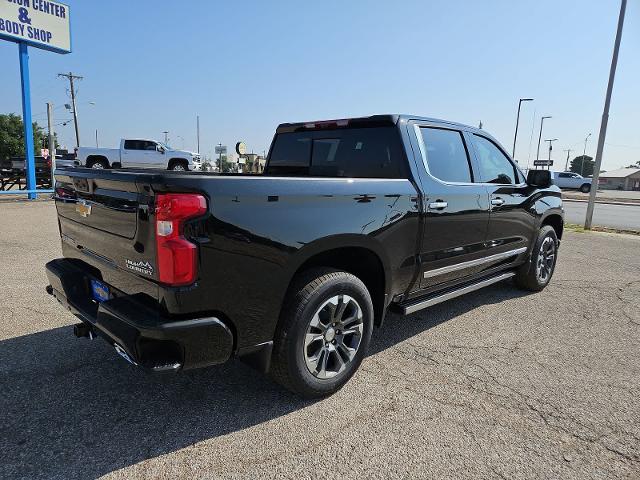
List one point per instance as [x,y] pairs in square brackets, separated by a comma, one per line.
[417,127]
[519,178]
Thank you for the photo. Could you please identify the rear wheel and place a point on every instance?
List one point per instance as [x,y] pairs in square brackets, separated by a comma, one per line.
[98,164]
[586,188]
[536,274]
[323,334]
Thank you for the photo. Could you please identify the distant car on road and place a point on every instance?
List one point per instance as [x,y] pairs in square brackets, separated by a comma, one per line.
[139,153]
[571,180]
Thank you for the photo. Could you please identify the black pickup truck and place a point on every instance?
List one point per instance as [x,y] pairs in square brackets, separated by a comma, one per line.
[291,270]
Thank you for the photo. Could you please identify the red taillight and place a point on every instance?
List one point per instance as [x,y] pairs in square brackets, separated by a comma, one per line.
[65,194]
[177,256]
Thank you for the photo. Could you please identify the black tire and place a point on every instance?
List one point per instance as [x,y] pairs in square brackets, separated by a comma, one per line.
[98,163]
[178,165]
[529,276]
[313,292]
[586,188]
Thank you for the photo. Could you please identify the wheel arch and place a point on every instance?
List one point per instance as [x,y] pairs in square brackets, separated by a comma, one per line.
[93,158]
[555,221]
[355,254]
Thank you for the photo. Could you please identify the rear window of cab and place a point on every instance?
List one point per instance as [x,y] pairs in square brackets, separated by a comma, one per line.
[374,152]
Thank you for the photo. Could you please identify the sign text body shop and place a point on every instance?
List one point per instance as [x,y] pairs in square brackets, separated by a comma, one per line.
[40,23]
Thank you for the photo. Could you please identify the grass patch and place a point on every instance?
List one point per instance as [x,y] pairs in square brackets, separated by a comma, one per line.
[573,227]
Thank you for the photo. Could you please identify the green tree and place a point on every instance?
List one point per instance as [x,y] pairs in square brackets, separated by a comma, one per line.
[227,165]
[12,136]
[577,165]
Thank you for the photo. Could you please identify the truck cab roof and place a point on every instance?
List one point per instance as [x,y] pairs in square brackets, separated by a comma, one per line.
[387,119]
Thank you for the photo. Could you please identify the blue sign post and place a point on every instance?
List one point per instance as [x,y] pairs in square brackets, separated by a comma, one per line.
[30,161]
[41,24]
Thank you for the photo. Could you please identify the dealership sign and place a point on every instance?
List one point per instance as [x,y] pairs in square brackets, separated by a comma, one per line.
[39,23]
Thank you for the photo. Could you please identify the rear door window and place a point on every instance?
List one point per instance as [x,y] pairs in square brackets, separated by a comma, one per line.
[134,145]
[446,155]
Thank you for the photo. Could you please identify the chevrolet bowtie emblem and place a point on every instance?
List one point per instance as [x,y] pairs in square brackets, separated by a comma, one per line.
[83,209]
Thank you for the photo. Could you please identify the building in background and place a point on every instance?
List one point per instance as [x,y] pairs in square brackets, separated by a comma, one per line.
[622,179]
[254,163]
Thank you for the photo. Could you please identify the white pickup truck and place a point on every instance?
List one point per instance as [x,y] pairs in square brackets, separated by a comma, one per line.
[139,153]
[570,180]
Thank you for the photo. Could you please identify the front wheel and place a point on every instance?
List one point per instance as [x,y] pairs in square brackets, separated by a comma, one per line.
[178,166]
[536,274]
[324,333]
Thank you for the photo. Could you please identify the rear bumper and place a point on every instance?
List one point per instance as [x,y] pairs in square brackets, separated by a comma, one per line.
[139,333]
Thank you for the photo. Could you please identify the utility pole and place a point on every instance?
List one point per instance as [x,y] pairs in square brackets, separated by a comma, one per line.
[71,77]
[540,137]
[166,139]
[566,164]
[97,138]
[551,140]
[220,158]
[605,119]
[515,135]
[51,142]
[198,131]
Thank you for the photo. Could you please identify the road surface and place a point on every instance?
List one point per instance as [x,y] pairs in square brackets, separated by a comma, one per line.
[604,215]
[500,383]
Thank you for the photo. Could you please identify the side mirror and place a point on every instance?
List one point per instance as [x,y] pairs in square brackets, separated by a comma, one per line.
[539,178]
[160,148]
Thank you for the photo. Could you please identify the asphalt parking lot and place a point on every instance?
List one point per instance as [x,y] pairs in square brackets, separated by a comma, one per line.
[497,384]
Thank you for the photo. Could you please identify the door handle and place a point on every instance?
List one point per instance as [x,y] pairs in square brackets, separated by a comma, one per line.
[497,202]
[438,205]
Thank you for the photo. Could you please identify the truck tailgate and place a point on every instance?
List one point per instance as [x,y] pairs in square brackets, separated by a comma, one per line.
[104,220]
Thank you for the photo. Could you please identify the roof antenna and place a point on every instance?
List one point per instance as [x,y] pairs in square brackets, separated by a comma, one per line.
[480,126]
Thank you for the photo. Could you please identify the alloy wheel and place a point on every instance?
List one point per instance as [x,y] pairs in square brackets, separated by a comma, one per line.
[333,336]
[546,259]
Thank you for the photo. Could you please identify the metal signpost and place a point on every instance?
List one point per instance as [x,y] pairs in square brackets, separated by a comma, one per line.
[41,24]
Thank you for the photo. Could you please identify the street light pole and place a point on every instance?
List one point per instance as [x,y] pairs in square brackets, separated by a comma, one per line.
[515,135]
[584,153]
[198,132]
[166,138]
[605,119]
[540,136]
[51,142]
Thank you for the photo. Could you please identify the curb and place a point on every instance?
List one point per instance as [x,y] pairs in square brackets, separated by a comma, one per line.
[605,202]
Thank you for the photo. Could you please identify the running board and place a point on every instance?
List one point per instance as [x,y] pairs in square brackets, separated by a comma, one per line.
[443,297]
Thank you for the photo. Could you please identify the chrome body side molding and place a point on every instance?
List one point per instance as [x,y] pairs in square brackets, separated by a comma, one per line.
[474,263]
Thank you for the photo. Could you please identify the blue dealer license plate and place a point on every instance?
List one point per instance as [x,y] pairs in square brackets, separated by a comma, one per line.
[100,291]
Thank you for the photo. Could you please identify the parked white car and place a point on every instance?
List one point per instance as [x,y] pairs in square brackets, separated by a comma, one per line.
[139,153]
[571,180]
